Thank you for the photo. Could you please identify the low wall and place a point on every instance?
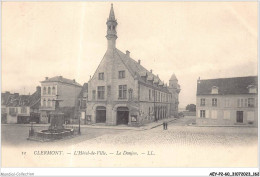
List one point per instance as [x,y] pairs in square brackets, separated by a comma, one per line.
[188,113]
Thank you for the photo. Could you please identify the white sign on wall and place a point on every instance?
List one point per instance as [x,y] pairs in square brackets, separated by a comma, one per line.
[82,115]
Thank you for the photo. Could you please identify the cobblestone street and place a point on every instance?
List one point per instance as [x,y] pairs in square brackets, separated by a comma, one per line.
[16,135]
[182,145]
[185,146]
[180,133]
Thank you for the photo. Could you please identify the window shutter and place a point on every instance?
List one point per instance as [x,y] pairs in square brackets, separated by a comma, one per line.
[207,113]
[250,116]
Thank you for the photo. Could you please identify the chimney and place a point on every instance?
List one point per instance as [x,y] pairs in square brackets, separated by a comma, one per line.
[38,89]
[127,53]
[139,62]
[74,80]
[151,71]
[198,80]
[46,78]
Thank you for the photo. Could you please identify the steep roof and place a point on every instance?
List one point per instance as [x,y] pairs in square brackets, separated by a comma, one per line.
[84,89]
[4,98]
[62,80]
[14,100]
[226,86]
[173,77]
[136,69]
[35,99]
[112,13]
[24,100]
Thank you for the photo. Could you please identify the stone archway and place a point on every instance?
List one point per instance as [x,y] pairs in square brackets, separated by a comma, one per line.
[122,115]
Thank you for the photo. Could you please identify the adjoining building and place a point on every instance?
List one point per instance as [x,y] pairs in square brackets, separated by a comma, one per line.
[122,91]
[4,109]
[82,104]
[35,104]
[64,89]
[19,109]
[227,101]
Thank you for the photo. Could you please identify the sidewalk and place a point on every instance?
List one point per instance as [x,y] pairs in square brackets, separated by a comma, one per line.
[246,126]
[157,124]
[118,127]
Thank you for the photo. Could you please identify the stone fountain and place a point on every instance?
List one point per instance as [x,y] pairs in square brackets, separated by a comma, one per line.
[56,129]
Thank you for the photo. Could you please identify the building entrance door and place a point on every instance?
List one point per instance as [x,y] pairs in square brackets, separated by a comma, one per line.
[101,114]
[122,115]
[240,116]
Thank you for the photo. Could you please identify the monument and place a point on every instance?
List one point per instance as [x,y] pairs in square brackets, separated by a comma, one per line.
[56,129]
[56,117]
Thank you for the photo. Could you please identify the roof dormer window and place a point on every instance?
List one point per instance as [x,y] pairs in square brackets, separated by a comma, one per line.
[214,90]
[252,89]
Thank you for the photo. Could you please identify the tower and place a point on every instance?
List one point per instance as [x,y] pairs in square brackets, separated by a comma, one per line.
[111,29]
[174,88]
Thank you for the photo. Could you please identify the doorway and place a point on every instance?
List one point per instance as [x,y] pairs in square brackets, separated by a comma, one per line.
[101,114]
[122,115]
[239,116]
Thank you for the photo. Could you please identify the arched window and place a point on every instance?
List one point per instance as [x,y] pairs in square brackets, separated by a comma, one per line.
[44,103]
[49,103]
[53,90]
[44,90]
[49,90]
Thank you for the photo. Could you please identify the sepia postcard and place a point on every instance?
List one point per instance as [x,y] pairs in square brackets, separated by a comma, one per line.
[130,84]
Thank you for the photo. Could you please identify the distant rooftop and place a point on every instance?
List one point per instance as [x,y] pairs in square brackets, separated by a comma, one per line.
[16,100]
[62,80]
[84,89]
[227,86]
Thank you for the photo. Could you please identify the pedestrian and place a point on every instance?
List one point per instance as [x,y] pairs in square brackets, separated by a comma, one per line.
[164,125]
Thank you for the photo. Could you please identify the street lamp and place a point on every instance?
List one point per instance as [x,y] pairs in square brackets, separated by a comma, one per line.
[79,126]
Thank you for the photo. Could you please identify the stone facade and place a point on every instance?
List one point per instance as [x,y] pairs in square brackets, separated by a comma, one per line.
[82,105]
[122,91]
[15,113]
[229,101]
[65,89]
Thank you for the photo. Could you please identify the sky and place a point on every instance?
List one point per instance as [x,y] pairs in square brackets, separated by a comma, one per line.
[191,39]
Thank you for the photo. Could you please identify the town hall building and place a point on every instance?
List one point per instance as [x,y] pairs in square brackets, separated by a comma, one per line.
[122,91]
